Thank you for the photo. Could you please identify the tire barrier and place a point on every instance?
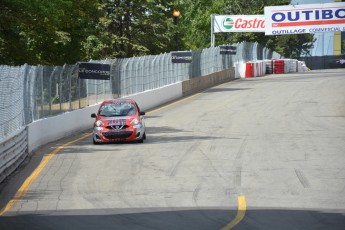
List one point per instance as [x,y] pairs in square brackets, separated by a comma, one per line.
[279,66]
[288,66]
[259,68]
[269,66]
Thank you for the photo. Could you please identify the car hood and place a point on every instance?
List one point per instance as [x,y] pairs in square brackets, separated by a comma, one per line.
[117,120]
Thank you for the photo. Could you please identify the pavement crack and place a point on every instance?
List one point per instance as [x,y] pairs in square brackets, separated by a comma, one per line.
[241,150]
[183,158]
[195,194]
[238,175]
[302,179]
[210,161]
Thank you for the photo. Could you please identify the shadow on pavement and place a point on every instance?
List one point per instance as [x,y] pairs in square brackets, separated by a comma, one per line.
[203,219]
[213,90]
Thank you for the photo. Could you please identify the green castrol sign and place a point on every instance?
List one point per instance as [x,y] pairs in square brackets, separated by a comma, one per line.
[239,23]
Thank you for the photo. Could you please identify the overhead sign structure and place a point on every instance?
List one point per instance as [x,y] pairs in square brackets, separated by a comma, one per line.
[227,49]
[308,18]
[96,71]
[239,23]
[181,57]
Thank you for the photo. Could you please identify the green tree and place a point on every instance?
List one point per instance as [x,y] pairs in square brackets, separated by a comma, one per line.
[11,39]
[294,46]
[44,31]
[131,28]
[54,32]
[196,23]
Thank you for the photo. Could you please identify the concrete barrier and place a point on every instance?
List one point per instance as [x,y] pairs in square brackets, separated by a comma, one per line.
[51,129]
[153,98]
[199,83]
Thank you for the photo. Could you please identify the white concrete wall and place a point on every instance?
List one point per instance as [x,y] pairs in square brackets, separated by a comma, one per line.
[153,98]
[51,129]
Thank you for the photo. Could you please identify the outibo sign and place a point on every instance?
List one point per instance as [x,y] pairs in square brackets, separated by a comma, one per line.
[239,23]
[96,71]
[227,49]
[308,18]
[181,57]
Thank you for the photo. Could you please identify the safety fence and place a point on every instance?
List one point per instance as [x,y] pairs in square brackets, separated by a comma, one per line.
[30,93]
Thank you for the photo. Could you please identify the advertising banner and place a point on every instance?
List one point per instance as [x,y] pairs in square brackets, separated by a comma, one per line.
[227,49]
[308,18]
[96,71]
[239,23]
[181,57]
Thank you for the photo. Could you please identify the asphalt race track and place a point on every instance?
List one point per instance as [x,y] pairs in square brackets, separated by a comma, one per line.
[276,142]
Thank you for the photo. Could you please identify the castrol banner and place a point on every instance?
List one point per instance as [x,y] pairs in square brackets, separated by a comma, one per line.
[308,18]
[239,23]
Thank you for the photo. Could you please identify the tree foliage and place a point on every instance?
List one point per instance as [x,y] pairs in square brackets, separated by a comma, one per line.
[44,31]
[197,21]
[53,32]
[131,28]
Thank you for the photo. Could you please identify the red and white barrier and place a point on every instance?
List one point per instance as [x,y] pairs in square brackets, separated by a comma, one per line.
[260,68]
[288,66]
[278,66]
[254,69]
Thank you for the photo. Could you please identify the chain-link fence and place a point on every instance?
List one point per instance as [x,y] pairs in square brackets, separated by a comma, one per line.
[11,99]
[29,93]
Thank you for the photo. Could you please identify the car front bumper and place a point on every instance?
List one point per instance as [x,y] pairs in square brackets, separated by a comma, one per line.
[104,135]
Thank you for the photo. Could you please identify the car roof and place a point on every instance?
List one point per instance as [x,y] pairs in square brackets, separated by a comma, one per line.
[118,101]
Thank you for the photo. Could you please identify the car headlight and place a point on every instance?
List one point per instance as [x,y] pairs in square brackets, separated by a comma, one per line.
[99,123]
[135,121]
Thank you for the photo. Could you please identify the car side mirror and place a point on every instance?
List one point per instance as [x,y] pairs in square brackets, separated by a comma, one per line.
[142,113]
[93,115]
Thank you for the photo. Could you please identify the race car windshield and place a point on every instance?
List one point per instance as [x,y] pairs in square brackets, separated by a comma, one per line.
[117,109]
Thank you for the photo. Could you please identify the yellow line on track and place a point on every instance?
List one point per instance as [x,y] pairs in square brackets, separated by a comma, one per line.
[27,183]
[242,207]
[241,211]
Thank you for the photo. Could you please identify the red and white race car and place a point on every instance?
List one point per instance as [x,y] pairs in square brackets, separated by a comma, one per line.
[119,120]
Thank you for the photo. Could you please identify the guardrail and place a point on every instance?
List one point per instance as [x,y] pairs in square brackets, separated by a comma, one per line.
[13,151]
